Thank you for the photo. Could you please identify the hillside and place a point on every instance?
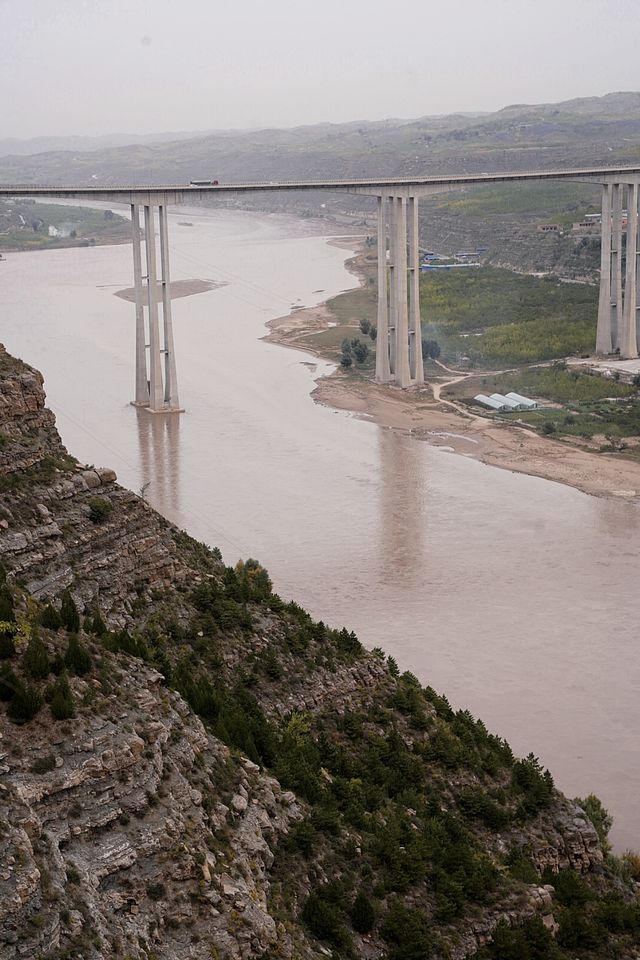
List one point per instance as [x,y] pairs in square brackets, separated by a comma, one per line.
[192,767]
[594,130]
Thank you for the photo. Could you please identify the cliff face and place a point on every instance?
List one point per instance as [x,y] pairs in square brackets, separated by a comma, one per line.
[131,826]
[196,769]
[47,538]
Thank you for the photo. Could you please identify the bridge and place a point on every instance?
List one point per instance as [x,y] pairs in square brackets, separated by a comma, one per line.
[399,340]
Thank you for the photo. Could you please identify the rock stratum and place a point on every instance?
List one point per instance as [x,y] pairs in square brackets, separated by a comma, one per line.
[192,768]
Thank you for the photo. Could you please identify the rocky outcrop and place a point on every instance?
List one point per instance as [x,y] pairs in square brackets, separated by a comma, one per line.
[64,525]
[27,427]
[132,825]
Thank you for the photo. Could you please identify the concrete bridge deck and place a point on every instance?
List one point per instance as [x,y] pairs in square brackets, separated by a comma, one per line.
[399,340]
[414,186]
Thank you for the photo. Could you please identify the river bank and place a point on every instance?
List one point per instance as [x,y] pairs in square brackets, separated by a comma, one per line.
[424,415]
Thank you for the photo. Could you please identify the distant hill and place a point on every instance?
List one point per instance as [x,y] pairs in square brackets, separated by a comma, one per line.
[16,147]
[590,130]
[594,129]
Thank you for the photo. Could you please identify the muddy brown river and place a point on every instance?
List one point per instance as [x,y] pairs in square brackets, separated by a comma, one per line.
[515,596]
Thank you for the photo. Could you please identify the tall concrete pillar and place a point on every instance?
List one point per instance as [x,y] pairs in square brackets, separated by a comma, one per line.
[616,266]
[383,371]
[142,378]
[415,329]
[403,373]
[393,303]
[156,391]
[170,375]
[628,336]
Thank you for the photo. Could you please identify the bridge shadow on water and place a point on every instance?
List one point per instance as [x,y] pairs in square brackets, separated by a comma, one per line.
[159,447]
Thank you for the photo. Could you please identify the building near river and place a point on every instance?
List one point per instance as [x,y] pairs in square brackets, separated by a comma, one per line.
[490,402]
[525,402]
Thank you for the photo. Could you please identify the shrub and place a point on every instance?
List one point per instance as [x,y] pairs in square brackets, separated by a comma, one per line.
[475,803]
[361,352]
[531,941]
[599,817]
[7,646]
[43,764]
[36,658]
[96,624]
[69,613]
[8,683]
[345,360]
[50,618]
[7,608]
[77,659]
[528,778]
[407,932]
[324,920]
[156,890]
[24,704]
[570,888]
[62,705]
[302,838]
[363,914]
[99,509]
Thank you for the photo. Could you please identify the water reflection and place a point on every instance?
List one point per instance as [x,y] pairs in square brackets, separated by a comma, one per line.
[159,448]
[402,498]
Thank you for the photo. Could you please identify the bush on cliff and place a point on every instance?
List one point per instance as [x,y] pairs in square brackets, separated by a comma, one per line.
[7,646]
[8,683]
[99,509]
[363,914]
[69,617]
[77,659]
[62,704]
[50,618]
[7,607]
[24,704]
[36,659]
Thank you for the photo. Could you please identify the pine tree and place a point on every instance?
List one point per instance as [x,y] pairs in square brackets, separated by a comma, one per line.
[62,704]
[8,683]
[36,658]
[7,607]
[77,659]
[363,916]
[69,613]
[7,646]
[96,624]
[50,618]
[24,704]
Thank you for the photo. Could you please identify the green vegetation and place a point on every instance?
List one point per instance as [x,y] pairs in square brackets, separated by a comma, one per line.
[24,225]
[36,658]
[69,617]
[99,509]
[77,659]
[62,702]
[401,790]
[494,316]
[557,382]
[592,405]
[600,818]
[557,202]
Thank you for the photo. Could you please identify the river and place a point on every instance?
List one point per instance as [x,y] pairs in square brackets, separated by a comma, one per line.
[515,596]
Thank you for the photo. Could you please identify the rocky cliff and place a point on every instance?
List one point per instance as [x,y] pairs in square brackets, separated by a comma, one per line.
[190,767]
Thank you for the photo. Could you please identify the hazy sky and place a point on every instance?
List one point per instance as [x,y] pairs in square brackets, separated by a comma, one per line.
[104,66]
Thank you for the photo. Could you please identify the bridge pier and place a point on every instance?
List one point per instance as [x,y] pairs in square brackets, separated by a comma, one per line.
[617,330]
[156,382]
[399,339]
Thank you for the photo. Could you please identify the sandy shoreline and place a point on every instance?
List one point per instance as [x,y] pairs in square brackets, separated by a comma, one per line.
[423,416]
